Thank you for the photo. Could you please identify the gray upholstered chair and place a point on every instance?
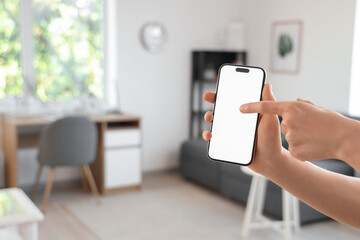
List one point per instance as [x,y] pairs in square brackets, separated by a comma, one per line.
[71,141]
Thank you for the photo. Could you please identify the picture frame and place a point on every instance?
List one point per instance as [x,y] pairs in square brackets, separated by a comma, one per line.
[286,46]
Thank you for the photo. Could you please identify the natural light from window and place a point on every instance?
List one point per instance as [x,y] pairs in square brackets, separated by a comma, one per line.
[68,49]
[11,82]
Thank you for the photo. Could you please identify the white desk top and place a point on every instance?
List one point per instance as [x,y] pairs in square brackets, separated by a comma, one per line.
[16,208]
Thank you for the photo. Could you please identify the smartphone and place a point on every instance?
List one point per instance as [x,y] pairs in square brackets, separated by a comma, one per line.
[233,132]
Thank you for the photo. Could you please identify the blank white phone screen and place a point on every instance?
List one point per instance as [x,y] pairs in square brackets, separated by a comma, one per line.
[233,132]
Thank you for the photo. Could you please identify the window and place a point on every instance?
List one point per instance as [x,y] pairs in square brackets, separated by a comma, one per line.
[67,43]
[11,82]
[68,48]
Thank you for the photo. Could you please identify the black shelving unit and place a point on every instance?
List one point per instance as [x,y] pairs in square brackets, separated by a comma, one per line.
[205,65]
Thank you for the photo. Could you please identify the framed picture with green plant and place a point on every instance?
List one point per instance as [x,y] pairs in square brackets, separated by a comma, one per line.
[286,39]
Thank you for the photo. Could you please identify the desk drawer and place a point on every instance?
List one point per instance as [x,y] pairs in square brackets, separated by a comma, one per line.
[122,167]
[121,138]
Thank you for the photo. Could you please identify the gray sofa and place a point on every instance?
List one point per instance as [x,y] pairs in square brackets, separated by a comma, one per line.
[230,181]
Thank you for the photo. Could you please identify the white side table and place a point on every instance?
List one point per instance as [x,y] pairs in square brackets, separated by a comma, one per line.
[17,210]
[254,218]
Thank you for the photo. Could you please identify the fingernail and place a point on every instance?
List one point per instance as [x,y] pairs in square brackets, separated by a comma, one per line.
[204,135]
[244,108]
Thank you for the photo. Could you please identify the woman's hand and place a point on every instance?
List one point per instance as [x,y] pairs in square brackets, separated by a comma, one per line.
[313,133]
[268,147]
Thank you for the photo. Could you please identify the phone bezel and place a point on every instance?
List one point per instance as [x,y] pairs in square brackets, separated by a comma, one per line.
[257,119]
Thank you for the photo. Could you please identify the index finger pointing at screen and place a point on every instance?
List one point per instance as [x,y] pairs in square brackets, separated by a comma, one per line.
[269,107]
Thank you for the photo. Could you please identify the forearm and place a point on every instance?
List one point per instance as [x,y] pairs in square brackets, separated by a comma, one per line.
[333,194]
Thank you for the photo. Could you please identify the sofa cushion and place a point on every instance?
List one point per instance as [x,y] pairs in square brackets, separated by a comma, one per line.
[195,165]
[334,165]
[233,182]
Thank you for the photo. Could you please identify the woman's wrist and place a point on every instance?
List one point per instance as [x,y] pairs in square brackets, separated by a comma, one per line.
[348,149]
[275,168]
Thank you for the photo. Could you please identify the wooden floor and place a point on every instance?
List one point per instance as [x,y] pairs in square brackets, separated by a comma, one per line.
[167,207]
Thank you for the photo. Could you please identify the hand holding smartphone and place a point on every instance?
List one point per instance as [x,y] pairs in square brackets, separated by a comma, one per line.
[234,133]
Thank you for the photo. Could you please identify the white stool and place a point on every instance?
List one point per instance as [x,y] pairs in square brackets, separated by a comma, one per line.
[253,218]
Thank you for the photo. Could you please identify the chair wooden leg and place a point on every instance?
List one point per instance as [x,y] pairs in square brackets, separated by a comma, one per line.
[92,184]
[48,189]
[85,183]
[37,180]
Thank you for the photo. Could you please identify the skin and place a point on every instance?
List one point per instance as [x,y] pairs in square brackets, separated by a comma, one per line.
[325,134]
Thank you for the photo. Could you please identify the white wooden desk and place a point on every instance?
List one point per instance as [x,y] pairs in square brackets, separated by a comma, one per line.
[119,156]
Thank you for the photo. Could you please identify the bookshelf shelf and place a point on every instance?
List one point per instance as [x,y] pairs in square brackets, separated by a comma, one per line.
[205,65]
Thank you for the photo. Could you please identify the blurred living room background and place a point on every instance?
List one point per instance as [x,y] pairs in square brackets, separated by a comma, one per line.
[135,71]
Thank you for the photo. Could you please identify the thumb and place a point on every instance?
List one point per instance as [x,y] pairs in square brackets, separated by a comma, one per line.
[267,94]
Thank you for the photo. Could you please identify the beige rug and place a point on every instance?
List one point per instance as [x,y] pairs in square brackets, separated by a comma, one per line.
[167,207]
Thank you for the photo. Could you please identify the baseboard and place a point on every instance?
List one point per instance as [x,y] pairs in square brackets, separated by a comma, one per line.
[169,170]
[56,185]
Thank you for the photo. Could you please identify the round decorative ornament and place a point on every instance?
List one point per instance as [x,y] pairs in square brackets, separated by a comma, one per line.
[153,36]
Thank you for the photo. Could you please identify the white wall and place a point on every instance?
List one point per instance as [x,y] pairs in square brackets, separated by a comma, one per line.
[157,86]
[354,99]
[327,47]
